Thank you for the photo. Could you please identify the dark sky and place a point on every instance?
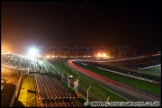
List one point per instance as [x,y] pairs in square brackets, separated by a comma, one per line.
[80,23]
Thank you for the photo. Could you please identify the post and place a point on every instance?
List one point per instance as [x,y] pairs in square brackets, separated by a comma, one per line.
[68,81]
[87,93]
[108,99]
[28,70]
[76,82]
[62,77]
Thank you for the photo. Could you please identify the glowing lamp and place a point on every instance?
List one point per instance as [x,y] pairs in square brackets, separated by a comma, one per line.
[33,52]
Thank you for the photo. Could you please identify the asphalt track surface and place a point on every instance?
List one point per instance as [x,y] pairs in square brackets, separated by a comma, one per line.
[128,92]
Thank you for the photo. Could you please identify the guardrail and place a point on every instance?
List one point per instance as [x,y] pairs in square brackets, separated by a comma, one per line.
[136,77]
[148,67]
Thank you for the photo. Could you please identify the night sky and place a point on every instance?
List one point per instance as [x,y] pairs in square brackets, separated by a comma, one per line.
[80,23]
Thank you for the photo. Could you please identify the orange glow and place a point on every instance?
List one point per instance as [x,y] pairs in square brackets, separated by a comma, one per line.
[47,56]
[104,55]
[108,57]
[5,47]
[99,55]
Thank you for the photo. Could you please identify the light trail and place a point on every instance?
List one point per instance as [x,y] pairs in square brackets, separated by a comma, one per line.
[130,90]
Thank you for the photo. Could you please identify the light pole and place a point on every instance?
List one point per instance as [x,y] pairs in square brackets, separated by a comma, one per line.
[87,93]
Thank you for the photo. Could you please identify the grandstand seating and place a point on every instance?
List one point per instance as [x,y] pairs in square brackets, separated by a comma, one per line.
[20,62]
[53,93]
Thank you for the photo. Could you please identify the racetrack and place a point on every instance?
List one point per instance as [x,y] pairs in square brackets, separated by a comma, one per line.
[126,91]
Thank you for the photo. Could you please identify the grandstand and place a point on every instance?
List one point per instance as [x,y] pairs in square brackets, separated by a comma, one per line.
[53,93]
[50,92]
[19,62]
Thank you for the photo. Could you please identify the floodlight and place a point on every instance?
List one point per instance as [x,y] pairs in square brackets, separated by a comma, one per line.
[33,52]
[99,55]
[104,55]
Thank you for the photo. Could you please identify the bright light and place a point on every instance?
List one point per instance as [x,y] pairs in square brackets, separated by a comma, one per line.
[104,55]
[99,55]
[47,56]
[33,52]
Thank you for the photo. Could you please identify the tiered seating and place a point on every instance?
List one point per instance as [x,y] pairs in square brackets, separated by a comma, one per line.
[14,60]
[53,92]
